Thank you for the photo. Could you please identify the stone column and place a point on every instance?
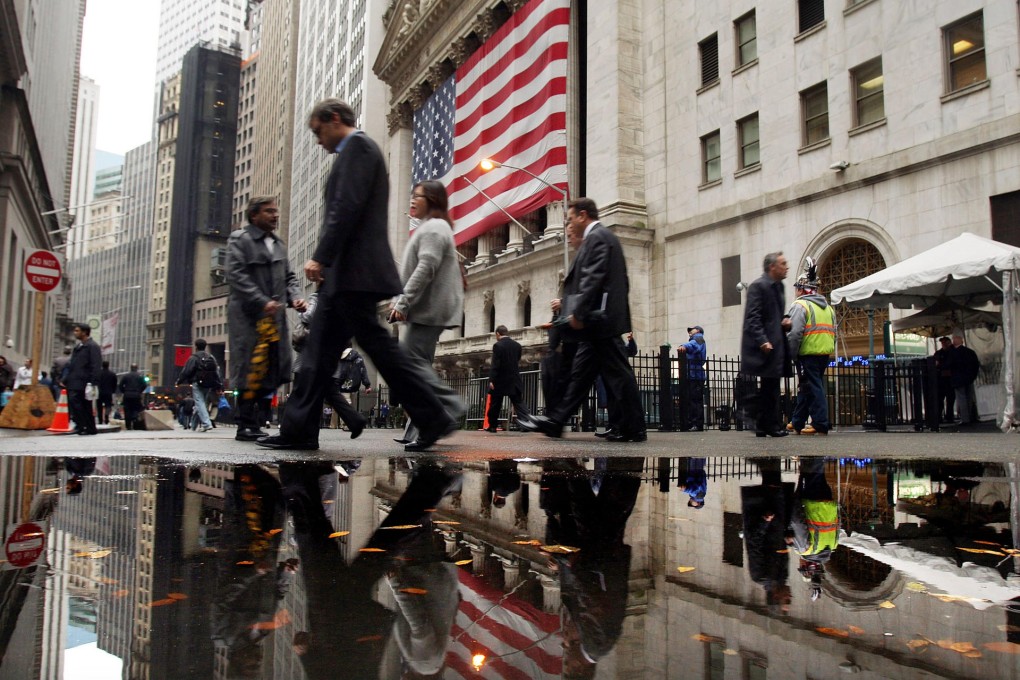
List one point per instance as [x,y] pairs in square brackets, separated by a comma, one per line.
[513,572]
[450,543]
[550,594]
[479,552]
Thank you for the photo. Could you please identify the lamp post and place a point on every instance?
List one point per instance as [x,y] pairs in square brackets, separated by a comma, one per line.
[488,164]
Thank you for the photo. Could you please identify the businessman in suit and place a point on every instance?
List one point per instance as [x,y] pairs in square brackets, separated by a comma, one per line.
[355,269]
[505,377]
[595,305]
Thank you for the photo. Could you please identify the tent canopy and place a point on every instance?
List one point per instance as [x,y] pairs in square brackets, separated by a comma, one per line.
[967,268]
[944,316]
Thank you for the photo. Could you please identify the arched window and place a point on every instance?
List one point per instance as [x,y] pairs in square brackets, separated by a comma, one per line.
[852,260]
[526,311]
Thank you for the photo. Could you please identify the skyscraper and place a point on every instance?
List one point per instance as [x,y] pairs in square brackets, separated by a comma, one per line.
[186,23]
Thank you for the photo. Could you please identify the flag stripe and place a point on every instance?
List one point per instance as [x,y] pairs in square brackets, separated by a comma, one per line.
[508,103]
[517,640]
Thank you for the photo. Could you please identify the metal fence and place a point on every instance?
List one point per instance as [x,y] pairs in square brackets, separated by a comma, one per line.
[876,394]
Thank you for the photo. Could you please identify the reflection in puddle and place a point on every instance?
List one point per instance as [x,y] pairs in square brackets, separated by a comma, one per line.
[600,567]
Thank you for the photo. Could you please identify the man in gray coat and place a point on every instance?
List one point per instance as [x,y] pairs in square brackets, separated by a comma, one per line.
[262,286]
[433,297]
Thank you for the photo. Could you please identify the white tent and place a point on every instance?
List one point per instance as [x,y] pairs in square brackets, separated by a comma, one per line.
[970,270]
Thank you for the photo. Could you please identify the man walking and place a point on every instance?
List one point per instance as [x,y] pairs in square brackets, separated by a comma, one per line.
[355,267]
[132,387]
[107,386]
[596,307]
[505,378]
[83,369]
[203,374]
[696,353]
[812,339]
[262,286]
[763,350]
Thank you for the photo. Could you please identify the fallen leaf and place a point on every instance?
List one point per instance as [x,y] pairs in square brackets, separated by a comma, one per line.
[273,532]
[372,550]
[918,645]
[560,549]
[784,551]
[950,598]
[244,563]
[121,593]
[160,603]
[701,637]
[916,587]
[1002,647]
[461,563]
[997,545]
[834,632]
[685,570]
[974,654]
[982,551]
[430,509]
[855,630]
[887,605]
[533,541]
[280,619]
[177,596]
[443,521]
[404,526]
[961,647]
[414,591]
[338,534]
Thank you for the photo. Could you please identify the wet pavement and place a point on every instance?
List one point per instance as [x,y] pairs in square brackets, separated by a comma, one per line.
[187,555]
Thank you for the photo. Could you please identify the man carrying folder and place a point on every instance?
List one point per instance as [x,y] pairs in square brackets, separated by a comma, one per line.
[596,307]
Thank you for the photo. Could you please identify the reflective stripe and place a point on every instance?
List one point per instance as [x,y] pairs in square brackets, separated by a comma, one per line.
[819,337]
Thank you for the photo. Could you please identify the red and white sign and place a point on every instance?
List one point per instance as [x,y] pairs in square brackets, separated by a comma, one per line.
[42,270]
[24,545]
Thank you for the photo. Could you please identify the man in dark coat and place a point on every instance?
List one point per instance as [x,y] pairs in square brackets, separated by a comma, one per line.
[132,386]
[83,369]
[107,386]
[262,286]
[763,350]
[596,307]
[964,367]
[505,377]
[355,267]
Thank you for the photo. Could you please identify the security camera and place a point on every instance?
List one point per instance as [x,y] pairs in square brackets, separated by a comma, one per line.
[839,166]
[741,286]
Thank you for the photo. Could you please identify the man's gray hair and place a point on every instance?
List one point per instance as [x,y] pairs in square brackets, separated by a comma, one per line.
[771,259]
[255,205]
[327,108]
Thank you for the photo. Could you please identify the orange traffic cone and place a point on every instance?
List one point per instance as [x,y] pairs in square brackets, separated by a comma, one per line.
[61,421]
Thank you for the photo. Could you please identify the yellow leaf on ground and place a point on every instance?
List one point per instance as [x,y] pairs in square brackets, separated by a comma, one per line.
[445,521]
[160,603]
[404,526]
[997,545]
[962,647]
[95,554]
[834,632]
[918,645]
[560,549]
[916,587]
[1002,647]
[372,550]
[887,605]
[533,541]
[685,570]
[245,563]
[855,630]
[338,534]
[461,563]
[414,591]
[177,596]
[273,532]
[982,551]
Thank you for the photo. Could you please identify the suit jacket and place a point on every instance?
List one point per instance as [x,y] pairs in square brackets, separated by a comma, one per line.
[599,272]
[505,370]
[353,242]
[763,318]
[85,366]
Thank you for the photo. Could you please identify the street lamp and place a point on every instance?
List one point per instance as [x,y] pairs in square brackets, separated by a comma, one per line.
[488,164]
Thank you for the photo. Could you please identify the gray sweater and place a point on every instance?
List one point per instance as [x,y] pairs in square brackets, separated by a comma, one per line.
[433,290]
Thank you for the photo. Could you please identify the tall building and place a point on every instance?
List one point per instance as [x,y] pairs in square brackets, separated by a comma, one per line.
[200,210]
[334,49]
[272,144]
[186,23]
[858,133]
[246,107]
[83,161]
[39,75]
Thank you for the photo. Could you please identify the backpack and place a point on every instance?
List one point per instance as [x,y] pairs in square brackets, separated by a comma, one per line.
[206,372]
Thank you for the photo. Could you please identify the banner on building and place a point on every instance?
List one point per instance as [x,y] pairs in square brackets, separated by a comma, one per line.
[108,342]
[508,103]
[181,354]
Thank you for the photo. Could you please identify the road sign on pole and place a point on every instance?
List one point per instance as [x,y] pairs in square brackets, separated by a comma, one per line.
[42,270]
[24,545]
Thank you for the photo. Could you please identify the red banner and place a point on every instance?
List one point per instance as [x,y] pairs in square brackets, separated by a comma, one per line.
[181,354]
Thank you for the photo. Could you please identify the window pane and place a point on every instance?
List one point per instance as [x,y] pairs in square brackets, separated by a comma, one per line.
[869,85]
[711,150]
[713,170]
[751,155]
[747,39]
[965,53]
[749,142]
[815,103]
[870,109]
[968,70]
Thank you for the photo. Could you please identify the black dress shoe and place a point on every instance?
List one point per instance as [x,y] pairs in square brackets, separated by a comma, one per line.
[631,437]
[771,433]
[543,424]
[419,445]
[357,429]
[491,429]
[401,440]
[696,429]
[280,442]
[608,433]
[249,434]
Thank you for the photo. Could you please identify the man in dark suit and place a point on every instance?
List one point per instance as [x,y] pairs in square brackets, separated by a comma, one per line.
[354,267]
[505,378]
[596,306]
[763,350]
[83,369]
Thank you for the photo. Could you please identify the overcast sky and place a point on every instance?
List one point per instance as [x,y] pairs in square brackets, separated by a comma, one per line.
[119,52]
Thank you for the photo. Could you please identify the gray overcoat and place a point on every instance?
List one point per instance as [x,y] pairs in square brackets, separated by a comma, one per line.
[255,278]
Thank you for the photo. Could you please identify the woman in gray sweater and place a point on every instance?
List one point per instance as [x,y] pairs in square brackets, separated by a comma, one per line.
[433,297]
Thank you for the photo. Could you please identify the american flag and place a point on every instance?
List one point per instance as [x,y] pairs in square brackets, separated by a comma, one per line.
[507,102]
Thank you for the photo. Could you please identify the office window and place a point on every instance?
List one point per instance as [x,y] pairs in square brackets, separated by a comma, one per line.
[747,38]
[869,86]
[710,157]
[709,51]
[747,133]
[964,45]
[812,13]
[1006,218]
[715,658]
[730,278]
[814,107]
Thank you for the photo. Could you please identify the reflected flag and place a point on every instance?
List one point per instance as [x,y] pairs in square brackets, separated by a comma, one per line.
[506,102]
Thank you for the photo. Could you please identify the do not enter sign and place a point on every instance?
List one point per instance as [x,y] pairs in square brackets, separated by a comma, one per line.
[24,545]
[42,270]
